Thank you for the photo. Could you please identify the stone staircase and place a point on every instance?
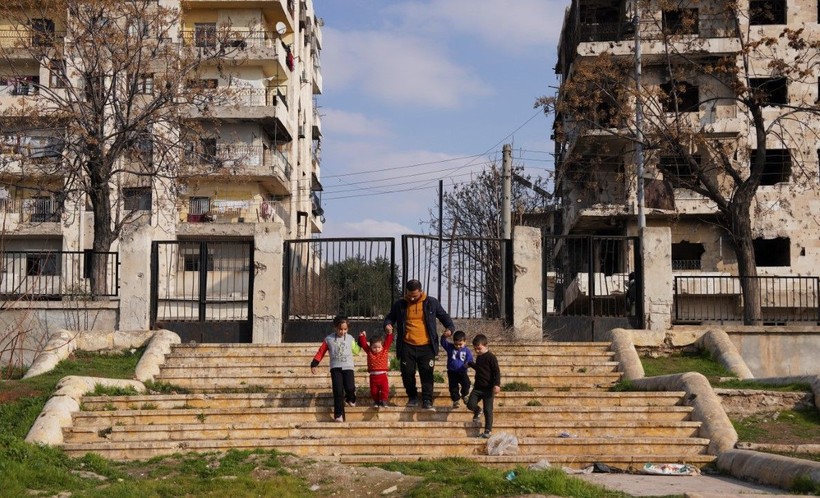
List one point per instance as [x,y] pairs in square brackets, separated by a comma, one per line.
[264,396]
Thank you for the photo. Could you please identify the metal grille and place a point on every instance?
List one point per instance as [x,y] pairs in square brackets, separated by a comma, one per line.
[55,274]
[202,281]
[355,277]
[470,276]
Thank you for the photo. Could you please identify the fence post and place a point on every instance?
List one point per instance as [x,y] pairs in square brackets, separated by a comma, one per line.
[656,254]
[529,284]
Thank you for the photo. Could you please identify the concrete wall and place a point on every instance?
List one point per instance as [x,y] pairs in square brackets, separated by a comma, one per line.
[25,326]
[778,351]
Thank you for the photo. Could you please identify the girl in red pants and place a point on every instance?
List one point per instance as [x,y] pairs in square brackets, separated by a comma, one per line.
[377,365]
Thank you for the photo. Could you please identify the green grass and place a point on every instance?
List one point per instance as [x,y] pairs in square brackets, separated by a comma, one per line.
[101,390]
[700,361]
[457,477]
[165,388]
[517,387]
[752,384]
[800,424]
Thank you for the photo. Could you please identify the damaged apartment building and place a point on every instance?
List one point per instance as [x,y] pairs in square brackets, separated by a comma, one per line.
[693,76]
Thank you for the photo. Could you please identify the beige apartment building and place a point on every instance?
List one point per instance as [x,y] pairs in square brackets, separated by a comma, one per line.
[596,156]
[249,180]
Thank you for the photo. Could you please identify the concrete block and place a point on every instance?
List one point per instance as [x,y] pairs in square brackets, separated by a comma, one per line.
[154,355]
[60,344]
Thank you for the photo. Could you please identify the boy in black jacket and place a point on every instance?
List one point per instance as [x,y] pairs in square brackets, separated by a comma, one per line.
[487,383]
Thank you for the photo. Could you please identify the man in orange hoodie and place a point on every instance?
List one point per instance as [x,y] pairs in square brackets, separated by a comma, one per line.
[417,343]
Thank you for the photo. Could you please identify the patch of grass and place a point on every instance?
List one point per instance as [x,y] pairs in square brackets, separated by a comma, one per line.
[805,484]
[101,390]
[395,364]
[622,386]
[534,402]
[752,384]
[700,361]
[148,406]
[165,388]
[438,377]
[517,387]
[793,425]
[451,477]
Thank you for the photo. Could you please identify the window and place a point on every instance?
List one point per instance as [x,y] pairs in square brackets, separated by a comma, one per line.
[205,35]
[771,91]
[94,87]
[144,84]
[778,167]
[680,21]
[42,32]
[767,12]
[772,252]
[41,209]
[678,166]
[25,85]
[686,255]
[191,258]
[208,150]
[57,76]
[203,84]
[137,198]
[199,205]
[680,96]
[43,264]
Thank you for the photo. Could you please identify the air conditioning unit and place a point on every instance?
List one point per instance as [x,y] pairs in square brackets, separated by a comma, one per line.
[301,131]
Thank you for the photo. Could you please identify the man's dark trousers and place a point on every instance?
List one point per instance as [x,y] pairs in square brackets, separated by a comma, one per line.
[423,359]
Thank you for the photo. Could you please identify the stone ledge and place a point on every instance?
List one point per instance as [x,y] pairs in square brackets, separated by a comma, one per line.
[765,468]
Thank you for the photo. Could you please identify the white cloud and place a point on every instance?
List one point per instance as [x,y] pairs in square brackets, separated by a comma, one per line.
[399,69]
[367,228]
[337,122]
[512,24]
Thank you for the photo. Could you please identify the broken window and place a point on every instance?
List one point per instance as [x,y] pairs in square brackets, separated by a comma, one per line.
[680,96]
[771,91]
[767,12]
[686,255]
[137,198]
[778,167]
[772,252]
[680,21]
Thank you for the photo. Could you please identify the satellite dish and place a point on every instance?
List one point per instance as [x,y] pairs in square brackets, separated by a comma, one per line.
[281,28]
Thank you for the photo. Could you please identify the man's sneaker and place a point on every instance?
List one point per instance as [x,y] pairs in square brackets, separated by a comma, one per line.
[427,405]
[350,403]
[339,419]
[456,404]
[485,435]
[412,402]
[465,398]
[477,416]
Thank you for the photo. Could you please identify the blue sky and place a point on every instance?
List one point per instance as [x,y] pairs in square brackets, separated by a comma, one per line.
[417,91]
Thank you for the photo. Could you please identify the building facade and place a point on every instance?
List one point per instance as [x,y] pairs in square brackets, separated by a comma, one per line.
[249,173]
[698,62]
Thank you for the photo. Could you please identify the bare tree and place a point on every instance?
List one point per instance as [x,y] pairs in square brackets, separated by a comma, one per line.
[717,82]
[122,79]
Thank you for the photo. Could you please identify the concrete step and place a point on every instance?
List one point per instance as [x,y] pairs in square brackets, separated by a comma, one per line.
[325,399]
[216,380]
[400,446]
[309,349]
[102,419]
[196,358]
[265,430]
[191,369]
[633,462]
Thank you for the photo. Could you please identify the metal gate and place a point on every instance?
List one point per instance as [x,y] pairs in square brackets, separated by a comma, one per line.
[202,290]
[591,284]
[323,278]
[471,276]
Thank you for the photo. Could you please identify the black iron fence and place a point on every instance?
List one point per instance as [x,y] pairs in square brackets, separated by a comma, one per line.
[592,276]
[471,276]
[56,274]
[355,277]
[714,298]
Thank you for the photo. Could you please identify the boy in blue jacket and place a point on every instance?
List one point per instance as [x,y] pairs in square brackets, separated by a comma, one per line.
[458,356]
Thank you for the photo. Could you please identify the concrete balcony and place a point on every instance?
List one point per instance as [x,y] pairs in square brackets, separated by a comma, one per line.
[273,10]
[205,215]
[24,43]
[239,46]
[268,106]
[241,162]
[32,216]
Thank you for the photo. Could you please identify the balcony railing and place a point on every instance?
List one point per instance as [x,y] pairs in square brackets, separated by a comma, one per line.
[55,274]
[232,40]
[208,210]
[33,210]
[239,159]
[718,298]
[27,39]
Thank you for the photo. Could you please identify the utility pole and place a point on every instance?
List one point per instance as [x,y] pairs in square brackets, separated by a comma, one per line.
[506,221]
[636,21]
[506,194]
[440,227]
